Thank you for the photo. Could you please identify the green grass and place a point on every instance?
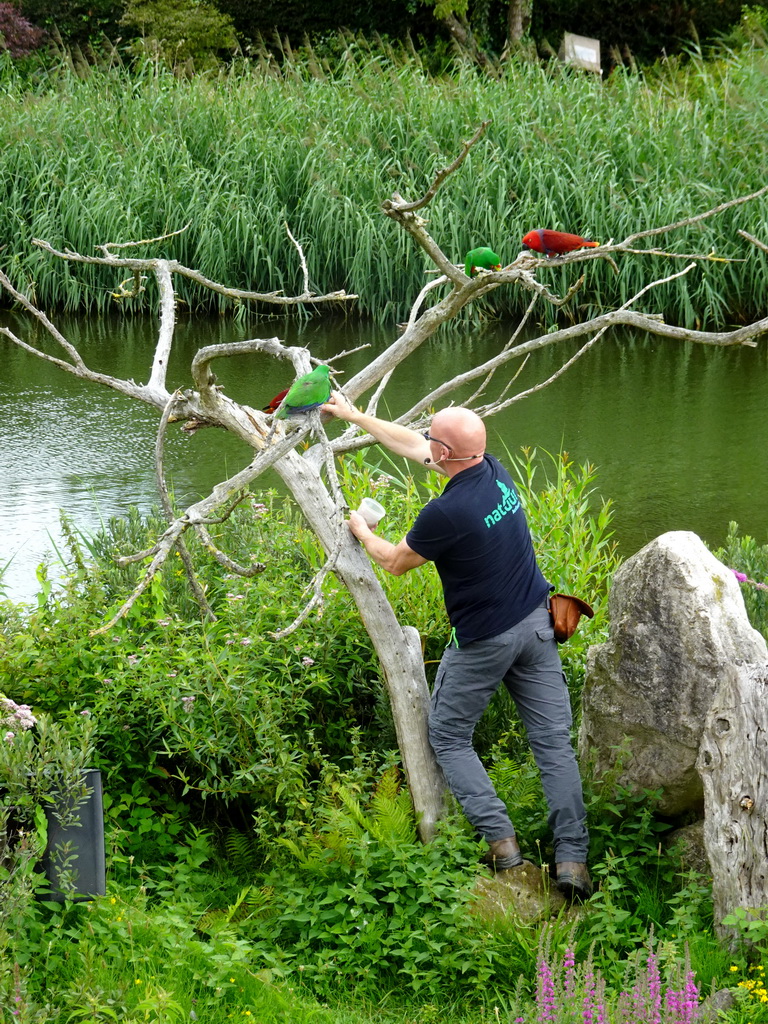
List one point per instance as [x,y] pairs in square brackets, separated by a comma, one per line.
[119,155]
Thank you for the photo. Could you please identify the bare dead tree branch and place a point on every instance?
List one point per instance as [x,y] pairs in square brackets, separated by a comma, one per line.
[497,406]
[156,396]
[77,360]
[753,240]
[247,571]
[134,263]
[445,172]
[699,257]
[302,260]
[329,461]
[686,221]
[198,514]
[624,318]
[523,321]
[206,611]
[373,402]
[167,323]
[145,241]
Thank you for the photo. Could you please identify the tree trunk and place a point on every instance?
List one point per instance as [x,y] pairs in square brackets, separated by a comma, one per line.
[518,21]
[461,33]
[398,648]
[733,764]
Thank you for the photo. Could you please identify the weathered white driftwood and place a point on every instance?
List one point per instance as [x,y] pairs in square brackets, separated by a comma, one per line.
[733,764]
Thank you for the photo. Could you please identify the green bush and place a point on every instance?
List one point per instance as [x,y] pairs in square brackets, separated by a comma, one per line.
[367,901]
[41,766]
[180,32]
[224,711]
[17,36]
[76,21]
[749,561]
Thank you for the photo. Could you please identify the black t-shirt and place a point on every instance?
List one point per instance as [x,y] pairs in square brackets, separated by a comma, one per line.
[476,534]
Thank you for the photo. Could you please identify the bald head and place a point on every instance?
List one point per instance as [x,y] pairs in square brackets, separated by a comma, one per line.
[462,430]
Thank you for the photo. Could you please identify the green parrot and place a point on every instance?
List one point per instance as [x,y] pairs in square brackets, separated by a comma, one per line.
[481,259]
[307,393]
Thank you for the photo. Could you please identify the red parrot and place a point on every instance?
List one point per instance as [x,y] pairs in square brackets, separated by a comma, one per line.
[275,402]
[555,243]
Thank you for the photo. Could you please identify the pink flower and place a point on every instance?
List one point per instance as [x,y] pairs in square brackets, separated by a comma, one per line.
[654,988]
[18,715]
[306,662]
[545,993]
[740,576]
[569,964]
[588,1006]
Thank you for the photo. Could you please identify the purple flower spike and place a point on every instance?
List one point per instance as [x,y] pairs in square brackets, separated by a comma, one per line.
[569,964]
[654,988]
[545,994]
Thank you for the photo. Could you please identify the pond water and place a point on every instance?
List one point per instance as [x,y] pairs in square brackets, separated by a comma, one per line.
[678,433]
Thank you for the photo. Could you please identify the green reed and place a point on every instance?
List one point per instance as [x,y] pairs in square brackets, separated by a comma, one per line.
[113,155]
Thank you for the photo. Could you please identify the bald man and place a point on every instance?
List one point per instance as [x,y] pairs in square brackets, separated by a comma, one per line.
[497,602]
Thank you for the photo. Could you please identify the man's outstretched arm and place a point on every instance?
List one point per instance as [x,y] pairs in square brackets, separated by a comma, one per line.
[397,438]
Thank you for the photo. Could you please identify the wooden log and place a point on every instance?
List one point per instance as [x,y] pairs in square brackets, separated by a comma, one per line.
[733,764]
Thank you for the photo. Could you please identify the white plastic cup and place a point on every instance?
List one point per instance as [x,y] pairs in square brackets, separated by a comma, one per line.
[371,511]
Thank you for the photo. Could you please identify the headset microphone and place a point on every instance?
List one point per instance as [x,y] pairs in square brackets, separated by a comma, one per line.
[427,462]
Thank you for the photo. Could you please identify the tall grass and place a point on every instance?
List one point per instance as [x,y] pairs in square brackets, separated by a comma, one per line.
[119,155]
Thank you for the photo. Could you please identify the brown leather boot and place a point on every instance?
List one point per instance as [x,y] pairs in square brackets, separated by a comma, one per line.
[503,854]
[573,880]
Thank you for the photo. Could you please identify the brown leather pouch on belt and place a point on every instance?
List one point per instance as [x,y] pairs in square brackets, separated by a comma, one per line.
[566,612]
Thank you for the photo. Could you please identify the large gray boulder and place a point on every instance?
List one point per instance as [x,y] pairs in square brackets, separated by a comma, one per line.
[677,625]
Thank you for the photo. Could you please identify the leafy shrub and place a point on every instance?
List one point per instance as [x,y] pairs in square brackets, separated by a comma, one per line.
[41,763]
[17,35]
[750,30]
[74,21]
[180,31]
[368,901]
[221,712]
[571,527]
[226,712]
[749,560]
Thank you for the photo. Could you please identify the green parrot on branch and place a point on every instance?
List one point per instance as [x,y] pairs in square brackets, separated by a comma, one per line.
[307,392]
[481,259]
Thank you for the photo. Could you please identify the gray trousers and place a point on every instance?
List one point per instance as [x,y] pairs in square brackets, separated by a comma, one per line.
[526,660]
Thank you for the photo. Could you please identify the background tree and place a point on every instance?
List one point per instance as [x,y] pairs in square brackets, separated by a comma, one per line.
[75,21]
[311,476]
[178,31]
[17,35]
[479,29]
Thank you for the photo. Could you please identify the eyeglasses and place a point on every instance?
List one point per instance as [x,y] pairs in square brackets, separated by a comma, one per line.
[428,437]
